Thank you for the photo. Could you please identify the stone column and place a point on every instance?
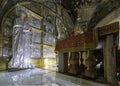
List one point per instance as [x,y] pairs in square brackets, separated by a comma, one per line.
[90,64]
[84,57]
[110,61]
[74,63]
[82,66]
[63,62]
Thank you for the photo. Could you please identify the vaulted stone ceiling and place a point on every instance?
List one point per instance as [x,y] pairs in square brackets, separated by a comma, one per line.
[103,8]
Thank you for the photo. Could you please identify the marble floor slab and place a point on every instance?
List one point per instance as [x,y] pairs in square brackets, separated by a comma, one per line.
[39,77]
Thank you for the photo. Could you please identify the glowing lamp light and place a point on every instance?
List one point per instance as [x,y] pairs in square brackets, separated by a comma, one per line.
[118,48]
[46,63]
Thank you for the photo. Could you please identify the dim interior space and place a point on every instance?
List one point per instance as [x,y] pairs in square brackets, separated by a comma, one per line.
[59,42]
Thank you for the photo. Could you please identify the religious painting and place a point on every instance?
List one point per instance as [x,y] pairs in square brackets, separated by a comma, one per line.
[49,39]
[32,17]
[34,22]
[49,22]
[22,42]
[60,29]
[36,37]
[48,52]
[35,51]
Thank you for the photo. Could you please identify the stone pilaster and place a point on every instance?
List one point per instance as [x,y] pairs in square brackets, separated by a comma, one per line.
[110,60]
[63,62]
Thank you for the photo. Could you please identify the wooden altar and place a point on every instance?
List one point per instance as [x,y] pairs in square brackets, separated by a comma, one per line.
[80,59]
[78,43]
[73,47]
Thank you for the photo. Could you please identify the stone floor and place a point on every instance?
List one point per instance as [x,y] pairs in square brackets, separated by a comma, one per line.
[39,77]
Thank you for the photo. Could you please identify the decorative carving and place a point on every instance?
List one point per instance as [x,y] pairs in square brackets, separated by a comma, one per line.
[60,29]
[90,63]
[82,66]
[108,29]
[22,42]
[75,41]
[74,63]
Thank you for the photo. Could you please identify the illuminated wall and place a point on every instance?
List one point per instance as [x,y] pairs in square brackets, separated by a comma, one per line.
[47,24]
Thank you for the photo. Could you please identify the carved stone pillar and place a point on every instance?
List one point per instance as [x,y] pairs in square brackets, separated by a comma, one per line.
[90,64]
[82,66]
[74,63]
[84,57]
[110,60]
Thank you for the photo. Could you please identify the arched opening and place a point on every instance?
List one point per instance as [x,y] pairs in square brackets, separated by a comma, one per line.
[47,27]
